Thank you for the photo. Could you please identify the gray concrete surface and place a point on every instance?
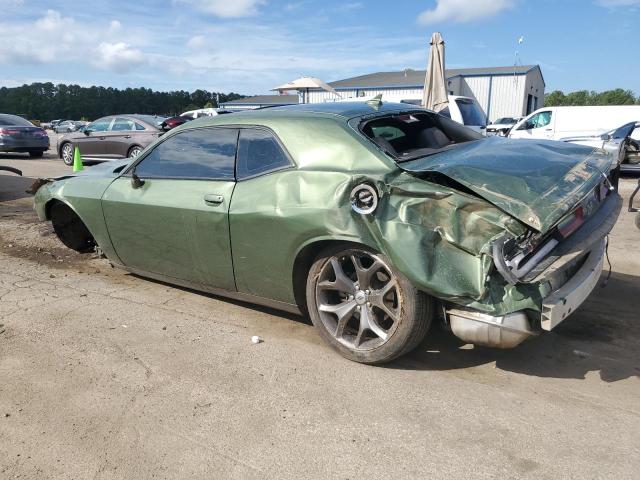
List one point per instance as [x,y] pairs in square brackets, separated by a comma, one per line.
[105,375]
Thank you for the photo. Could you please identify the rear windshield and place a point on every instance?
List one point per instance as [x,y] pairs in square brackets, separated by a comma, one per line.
[14,120]
[408,136]
[504,120]
[471,113]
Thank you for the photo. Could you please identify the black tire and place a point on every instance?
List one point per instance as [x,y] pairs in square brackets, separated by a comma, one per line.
[36,154]
[67,156]
[392,336]
[70,229]
[134,151]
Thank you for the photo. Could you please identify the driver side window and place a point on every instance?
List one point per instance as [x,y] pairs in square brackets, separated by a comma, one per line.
[99,125]
[539,120]
[201,153]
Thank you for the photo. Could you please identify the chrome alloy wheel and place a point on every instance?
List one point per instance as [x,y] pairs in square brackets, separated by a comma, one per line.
[358,299]
[67,154]
[134,152]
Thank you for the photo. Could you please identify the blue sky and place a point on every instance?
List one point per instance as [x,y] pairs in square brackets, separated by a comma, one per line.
[250,46]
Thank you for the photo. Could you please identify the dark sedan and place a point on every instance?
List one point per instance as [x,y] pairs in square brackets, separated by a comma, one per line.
[110,138]
[20,135]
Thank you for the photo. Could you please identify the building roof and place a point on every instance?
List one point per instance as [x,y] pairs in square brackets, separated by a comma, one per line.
[415,78]
[265,100]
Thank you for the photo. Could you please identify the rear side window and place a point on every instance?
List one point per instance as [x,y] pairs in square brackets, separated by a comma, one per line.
[259,152]
[203,153]
[122,124]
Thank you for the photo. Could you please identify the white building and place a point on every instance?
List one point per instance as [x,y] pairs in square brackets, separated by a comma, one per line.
[500,91]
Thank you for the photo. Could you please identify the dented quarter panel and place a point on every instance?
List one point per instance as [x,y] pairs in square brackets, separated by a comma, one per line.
[535,181]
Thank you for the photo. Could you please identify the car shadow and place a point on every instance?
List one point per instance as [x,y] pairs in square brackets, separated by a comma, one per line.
[304,319]
[13,187]
[602,336]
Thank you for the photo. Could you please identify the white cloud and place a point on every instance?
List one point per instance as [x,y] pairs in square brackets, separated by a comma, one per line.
[227,8]
[114,27]
[462,11]
[118,57]
[196,42]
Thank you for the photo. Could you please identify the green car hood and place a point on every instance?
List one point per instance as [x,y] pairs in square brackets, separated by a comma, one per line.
[536,182]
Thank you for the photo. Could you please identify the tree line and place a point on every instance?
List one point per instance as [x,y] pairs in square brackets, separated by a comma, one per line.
[618,96]
[46,101]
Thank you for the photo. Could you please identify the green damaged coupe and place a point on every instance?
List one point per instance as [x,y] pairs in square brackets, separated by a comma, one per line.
[374,219]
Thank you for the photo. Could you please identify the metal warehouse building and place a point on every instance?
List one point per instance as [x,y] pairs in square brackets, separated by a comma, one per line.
[500,91]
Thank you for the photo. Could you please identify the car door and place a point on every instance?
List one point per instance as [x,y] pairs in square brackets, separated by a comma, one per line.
[259,232]
[176,223]
[539,126]
[120,137]
[91,141]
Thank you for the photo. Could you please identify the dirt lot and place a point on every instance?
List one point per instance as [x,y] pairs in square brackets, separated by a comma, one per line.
[105,375]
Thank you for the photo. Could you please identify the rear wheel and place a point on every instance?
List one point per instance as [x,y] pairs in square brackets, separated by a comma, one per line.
[36,154]
[365,308]
[70,229]
[66,152]
[134,151]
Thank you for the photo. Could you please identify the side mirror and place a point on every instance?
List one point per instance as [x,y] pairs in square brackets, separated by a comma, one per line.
[87,131]
[606,137]
[136,182]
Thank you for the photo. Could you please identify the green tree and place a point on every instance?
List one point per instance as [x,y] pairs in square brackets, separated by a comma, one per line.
[46,101]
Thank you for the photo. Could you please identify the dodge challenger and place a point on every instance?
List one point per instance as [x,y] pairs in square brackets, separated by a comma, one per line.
[372,218]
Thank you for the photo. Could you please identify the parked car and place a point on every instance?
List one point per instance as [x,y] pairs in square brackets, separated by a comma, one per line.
[502,126]
[52,124]
[20,135]
[369,218]
[557,123]
[618,142]
[203,112]
[110,138]
[173,122]
[69,126]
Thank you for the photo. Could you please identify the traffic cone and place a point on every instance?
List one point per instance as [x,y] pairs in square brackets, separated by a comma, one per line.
[77,160]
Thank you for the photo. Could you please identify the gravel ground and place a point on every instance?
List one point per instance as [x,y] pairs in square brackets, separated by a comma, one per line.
[105,375]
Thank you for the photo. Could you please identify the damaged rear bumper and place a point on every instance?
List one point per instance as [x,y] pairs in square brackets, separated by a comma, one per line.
[512,329]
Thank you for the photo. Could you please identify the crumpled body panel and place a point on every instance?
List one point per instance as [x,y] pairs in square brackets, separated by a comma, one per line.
[535,181]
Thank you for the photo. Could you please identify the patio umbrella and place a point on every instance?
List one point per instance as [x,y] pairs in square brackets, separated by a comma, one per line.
[435,90]
[303,84]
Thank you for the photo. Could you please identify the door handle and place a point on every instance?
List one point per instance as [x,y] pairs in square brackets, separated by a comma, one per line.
[127,136]
[213,199]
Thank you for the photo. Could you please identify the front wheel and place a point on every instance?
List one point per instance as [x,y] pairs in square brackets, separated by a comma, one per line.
[67,154]
[365,308]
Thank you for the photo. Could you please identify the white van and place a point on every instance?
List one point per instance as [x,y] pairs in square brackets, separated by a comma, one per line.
[559,123]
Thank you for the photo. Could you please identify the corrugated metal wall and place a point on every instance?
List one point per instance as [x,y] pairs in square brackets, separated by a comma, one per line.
[390,95]
[497,95]
[506,96]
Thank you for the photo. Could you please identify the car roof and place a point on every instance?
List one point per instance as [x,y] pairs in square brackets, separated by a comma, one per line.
[343,110]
